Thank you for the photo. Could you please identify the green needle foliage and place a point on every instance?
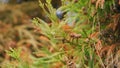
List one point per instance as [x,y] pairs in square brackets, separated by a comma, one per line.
[15,53]
[82,25]
[75,41]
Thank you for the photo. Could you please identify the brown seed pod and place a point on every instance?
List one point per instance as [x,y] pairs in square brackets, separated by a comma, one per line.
[74,36]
